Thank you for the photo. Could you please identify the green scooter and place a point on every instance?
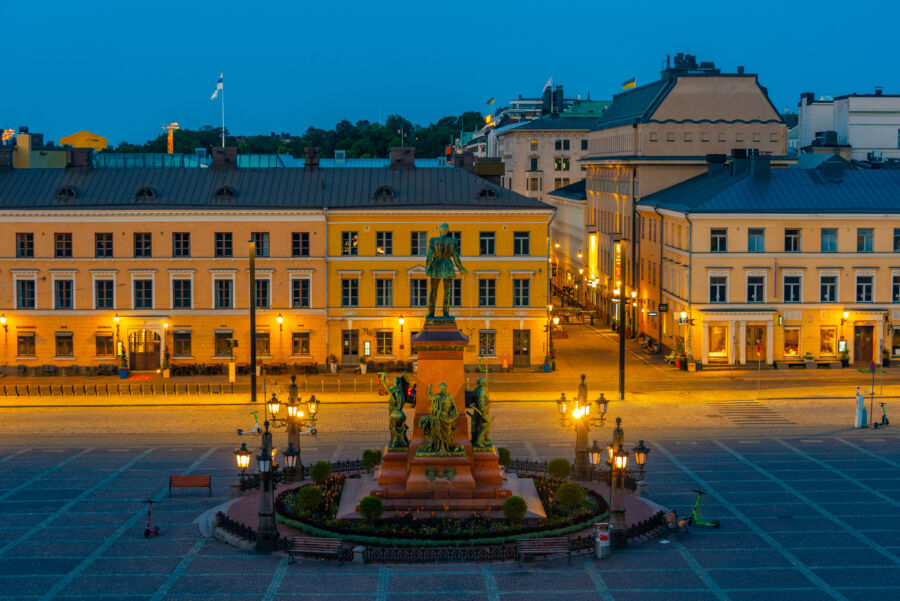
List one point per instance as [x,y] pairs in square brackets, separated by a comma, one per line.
[696,520]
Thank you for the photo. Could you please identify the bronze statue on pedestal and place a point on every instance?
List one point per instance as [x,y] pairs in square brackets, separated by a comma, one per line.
[481,417]
[443,255]
[396,401]
[438,427]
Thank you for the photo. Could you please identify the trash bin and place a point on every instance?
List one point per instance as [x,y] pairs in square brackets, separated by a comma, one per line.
[601,540]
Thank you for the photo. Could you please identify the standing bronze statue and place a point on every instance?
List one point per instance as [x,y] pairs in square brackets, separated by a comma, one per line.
[439,426]
[443,255]
[481,417]
[396,401]
[581,398]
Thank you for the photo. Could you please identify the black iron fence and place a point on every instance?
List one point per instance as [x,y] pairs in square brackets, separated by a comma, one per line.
[116,389]
[647,526]
[526,466]
[343,467]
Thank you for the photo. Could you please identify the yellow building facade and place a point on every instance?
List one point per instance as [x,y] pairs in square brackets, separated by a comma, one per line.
[156,262]
[740,267]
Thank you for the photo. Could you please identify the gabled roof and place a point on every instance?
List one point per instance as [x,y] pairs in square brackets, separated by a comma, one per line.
[576,191]
[786,191]
[635,104]
[254,188]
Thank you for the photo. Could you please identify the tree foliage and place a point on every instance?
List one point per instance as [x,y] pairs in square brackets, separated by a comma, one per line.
[362,139]
[559,468]
[320,472]
[308,497]
[570,495]
[370,508]
[514,509]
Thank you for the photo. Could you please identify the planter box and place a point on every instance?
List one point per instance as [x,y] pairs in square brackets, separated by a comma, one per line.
[123,373]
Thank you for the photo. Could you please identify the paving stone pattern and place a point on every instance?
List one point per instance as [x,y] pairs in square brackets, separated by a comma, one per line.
[802,519]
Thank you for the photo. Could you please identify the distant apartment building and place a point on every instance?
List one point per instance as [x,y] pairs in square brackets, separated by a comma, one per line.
[748,263]
[655,136]
[861,127]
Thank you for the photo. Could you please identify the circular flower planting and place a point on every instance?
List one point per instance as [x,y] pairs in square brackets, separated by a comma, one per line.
[568,510]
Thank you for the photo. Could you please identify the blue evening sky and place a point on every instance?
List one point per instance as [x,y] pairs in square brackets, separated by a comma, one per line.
[122,68]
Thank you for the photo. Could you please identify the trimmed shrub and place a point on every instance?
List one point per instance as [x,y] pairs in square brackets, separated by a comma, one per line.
[514,509]
[320,472]
[308,497]
[370,508]
[559,468]
[504,456]
[570,495]
[371,458]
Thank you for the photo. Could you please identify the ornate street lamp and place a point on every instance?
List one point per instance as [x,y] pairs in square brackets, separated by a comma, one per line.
[290,460]
[274,406]
[562,405]
[312,408]
[599,417]
[401,320]
[242,458]
[596,455]
[640,455]
[280,320]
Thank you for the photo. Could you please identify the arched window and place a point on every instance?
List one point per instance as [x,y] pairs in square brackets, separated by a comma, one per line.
[145,195]
[487,194]
[66,194]
[384,193]
[225,194]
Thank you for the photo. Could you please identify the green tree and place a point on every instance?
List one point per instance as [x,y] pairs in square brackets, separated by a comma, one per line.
[370,508]
[320,472]
[308,497]
[559,468]
[514,509]
[570,496]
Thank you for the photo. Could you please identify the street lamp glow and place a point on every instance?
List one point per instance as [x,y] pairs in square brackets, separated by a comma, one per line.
[620,459]
[577,412]
[616,292]
[846,314]
[634,294]
[116,318]
[166,325]
[274,405]
[596,454]
[556,321]
[312,405]
[292,409]
[242,457]
[640,454]
[683,315]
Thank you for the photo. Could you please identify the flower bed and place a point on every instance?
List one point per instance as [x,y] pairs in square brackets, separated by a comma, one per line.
[422,528]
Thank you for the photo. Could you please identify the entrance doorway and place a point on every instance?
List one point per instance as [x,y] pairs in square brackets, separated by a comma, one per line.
[863,344]
[143,350]
[756,343]
[349,348]
[521,348]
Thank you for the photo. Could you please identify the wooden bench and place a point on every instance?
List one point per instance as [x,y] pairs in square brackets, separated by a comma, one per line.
[316,546]
[543,546]
[190,482]
[670,358]
[676,524]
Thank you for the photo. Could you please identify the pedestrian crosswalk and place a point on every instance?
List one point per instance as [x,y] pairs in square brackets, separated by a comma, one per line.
[749,413]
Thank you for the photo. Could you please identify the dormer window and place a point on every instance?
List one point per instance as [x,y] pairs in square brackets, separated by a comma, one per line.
[384,193]
[487,194]
[225,194]
[145,195]
[66,194]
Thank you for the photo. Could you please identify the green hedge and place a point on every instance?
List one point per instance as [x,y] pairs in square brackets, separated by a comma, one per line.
[406,542]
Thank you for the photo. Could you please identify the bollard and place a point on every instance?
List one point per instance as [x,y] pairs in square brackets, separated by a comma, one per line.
[354,383]
[359,554]
[601,540]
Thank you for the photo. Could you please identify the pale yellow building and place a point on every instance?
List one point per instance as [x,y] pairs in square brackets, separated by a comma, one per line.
[774,265]
[155,260]
[657,135]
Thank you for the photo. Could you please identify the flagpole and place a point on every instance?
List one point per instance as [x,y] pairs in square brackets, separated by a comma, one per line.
[223,110]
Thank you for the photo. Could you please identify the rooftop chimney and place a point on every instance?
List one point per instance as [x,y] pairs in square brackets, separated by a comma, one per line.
[879,90]
[760,166]
[37,140]
[224,158]
[740,69]
[739,161]
[403,157]
[6,158]
[715,164]
[312,158]
[79,159]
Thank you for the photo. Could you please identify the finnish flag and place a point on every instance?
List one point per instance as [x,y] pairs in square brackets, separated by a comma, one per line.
[218,87]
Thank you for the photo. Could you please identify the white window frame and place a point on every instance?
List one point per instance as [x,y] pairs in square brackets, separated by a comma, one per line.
[837,286]
[24,274]
[184,274]
[102,275]
[718,274]
[300,275]
[142,274]
[61,275]
[225,274]
[765,288]
[865,273]
[792,274]
[265,275]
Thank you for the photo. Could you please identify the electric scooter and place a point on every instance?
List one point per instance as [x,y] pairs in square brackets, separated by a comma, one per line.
[255,429]
[150,530]
[884,420]
[695,514]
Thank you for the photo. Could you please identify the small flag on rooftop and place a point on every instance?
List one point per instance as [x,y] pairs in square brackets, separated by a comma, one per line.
[219,86]
[491,101]
[629,84]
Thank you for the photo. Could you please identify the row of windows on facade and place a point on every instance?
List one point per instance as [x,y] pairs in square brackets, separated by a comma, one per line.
[559,164]
[418,243]
[223,293]
[104,344]
[756,240]
[536,184]
[142,293]
[792,289]
[705,137]
[558,144]
[143,244]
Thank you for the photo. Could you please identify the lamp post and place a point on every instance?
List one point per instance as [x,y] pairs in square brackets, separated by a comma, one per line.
[293,431]
[633,310]
[242,458]
[266,533]
[280,320]
[582,420]
[549,328]
[253,321]
[618,537]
